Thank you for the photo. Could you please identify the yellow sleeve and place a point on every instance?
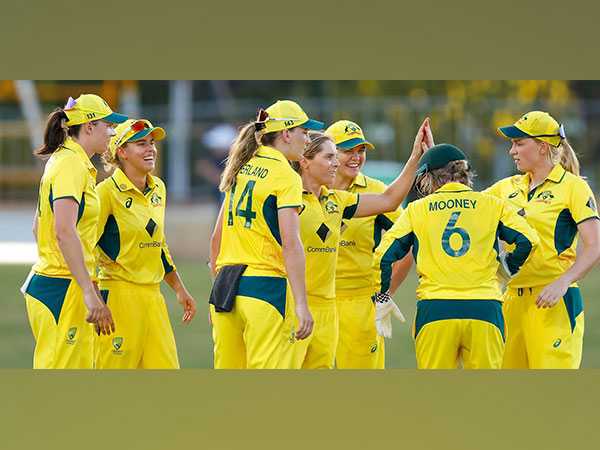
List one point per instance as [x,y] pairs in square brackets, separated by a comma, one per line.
[349,203]
[165,254]
[495,190]
[289,190]
[582,203]
[103,191]
[70,180]
[396,243]
[514,229]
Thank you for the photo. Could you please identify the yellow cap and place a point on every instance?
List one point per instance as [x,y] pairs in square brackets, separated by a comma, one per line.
[284,114]
[535,124]
[90,107]
[347,135]
[134,130]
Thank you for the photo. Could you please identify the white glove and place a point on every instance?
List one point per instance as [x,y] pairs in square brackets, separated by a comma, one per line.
[384,308]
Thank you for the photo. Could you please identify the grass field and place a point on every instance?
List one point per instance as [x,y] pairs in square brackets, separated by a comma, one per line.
[194,341]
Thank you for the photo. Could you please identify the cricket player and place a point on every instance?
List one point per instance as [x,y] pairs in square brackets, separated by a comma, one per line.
[453,235]
[543,306]
[321,218]
[134,257]
[359,346]
[59,293]
[258,301]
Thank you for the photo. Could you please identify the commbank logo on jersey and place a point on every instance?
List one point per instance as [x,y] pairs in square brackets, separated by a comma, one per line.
[323,232]
[150,227]
[71,335]
[352,129]
[331,207]
[117,343]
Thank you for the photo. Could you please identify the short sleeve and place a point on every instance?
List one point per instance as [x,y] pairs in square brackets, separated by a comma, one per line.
[70,181]
[582,203]
[495,190]
[289,191]
[348,202]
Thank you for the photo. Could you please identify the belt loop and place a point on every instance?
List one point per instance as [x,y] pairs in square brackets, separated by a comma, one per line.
[520,292]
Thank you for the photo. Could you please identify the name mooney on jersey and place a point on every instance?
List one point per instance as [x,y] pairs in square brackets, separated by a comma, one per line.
[441,205]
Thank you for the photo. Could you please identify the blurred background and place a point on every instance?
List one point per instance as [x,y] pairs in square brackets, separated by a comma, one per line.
[201,120]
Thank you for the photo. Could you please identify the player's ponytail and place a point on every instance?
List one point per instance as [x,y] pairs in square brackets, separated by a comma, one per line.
[56,133]
[242,150]
[566,156]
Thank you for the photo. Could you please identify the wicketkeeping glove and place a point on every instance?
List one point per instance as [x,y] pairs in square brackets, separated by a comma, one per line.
[384,308]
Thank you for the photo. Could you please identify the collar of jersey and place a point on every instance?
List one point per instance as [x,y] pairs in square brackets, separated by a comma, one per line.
[360,181]
[125,184]
[270,152]
[556,175]
[454,187]
[79,151]
[324,192]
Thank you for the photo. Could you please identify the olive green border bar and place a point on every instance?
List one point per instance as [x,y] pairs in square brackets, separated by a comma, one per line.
[271,39]
[308,410]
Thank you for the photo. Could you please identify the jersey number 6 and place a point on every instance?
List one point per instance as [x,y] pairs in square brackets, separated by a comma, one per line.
[449,231]
[247,212]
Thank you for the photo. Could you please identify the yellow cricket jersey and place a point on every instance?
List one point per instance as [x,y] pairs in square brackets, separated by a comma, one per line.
[553,209]
[69,173]
[454,235]
[250,233]
[359,238]
[131,231]
[320,222]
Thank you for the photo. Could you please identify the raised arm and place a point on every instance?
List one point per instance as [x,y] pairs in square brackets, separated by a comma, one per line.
[394,195]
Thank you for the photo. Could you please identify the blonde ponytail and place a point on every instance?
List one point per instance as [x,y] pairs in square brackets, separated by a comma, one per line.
[242,150]
[566,156]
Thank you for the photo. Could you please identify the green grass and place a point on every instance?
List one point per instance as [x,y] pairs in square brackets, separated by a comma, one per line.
[194,341]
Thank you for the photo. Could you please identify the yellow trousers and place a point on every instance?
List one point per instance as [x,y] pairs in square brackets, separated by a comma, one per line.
[549,338]
[56,311]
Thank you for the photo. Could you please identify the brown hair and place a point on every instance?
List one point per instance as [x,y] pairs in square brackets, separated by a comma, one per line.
[312,149]
[565,155]
[56,133]
[455,171]
[242,150]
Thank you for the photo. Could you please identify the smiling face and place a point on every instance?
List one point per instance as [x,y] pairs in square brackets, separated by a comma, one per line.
[529,154]
[352,161]
[139,155]
[323,166]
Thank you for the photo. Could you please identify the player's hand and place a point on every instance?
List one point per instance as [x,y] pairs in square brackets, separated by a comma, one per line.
[305,321]
[98,313]
[551,294]
[189,305]
[385,307]
[421,141]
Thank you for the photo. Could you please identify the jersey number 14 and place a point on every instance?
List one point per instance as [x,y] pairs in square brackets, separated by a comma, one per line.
[245,212]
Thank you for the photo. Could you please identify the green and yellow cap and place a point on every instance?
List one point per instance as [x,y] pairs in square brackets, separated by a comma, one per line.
[133,130]
[535,124]
[282,115]
[347,135]
[90,107]
[438,156]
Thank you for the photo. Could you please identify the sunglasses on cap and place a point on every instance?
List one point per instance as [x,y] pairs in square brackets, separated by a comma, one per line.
[131,130]
[263,117]
[561,133]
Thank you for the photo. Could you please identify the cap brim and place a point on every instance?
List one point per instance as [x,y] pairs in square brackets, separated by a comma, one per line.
[351,143]
[115,118]
[157,133]
[512,132]
[311,124]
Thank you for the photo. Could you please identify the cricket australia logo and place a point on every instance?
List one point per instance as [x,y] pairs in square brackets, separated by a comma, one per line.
[117,343]
[155,199]
[71,335]
[331,207]
[545,196]
[352,129]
